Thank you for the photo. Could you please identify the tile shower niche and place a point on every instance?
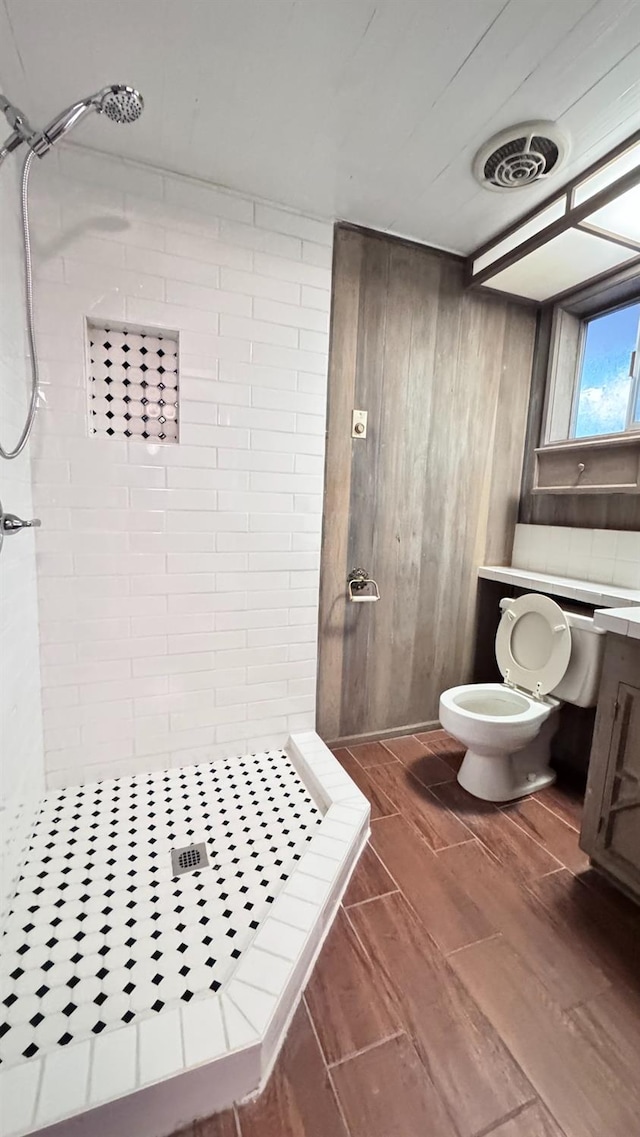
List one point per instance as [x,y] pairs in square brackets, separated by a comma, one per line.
[135,999]
[133,382]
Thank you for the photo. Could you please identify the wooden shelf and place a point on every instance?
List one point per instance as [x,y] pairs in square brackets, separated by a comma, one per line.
[592,466]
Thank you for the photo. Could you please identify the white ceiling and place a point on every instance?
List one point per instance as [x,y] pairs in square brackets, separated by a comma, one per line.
[367,110]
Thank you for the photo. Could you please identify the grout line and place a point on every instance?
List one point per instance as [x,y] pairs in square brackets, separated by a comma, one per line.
[514,821]
[236,1118]
[407,736]
[324,1062]
[370,899]
[434,797]
[277,954]
[504,865]
[388,983]
[392,758]
[393,761]
[336,1097]
[385,866]
[495,1125]
[365,1049]
[435,753]
[421,837]
[36,1102]
[357,934]
[313,1026]
[548,808]
[434,785]
[472,840]
[482,940]
[554,872]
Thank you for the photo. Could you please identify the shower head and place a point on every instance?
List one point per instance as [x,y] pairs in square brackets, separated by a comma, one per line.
[119,102]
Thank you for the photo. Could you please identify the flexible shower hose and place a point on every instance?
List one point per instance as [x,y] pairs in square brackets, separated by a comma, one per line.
[28,276]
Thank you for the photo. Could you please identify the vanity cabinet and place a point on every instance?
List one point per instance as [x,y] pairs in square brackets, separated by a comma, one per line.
[611,821]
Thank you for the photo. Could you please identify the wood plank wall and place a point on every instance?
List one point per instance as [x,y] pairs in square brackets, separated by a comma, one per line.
[431,493]
[589,511]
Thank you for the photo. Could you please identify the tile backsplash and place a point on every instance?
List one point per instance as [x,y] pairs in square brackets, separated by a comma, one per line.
[178,583]
[605,556]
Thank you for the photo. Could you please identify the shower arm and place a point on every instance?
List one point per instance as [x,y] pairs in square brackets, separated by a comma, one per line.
[21,131]
[41,140]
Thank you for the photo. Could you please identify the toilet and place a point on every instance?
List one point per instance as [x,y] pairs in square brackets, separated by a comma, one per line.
[547,655]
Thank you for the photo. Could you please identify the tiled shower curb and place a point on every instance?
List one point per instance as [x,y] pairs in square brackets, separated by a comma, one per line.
[229,1041]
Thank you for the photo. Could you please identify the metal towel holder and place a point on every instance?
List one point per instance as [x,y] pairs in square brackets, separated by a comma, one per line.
[358,580]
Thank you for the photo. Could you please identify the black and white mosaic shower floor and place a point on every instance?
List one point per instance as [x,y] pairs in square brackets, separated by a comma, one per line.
[100,931]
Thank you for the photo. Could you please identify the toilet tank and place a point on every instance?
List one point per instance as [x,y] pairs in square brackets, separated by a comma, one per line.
[582,677]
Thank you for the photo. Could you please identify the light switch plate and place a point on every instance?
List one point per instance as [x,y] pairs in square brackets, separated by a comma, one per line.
[359,424]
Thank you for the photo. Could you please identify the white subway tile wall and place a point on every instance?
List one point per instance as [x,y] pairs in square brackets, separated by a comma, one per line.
[605,556]
[21,765]
[178,584]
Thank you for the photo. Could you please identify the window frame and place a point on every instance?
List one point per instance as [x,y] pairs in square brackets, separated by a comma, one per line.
[566,351]
[631,424]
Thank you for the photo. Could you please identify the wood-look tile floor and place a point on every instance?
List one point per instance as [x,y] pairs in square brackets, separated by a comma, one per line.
[480,978]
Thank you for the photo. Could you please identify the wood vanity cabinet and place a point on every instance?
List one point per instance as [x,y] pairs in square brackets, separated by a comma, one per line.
[611,821]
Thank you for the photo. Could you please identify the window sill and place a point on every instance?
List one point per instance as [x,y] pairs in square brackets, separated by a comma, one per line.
[589,466]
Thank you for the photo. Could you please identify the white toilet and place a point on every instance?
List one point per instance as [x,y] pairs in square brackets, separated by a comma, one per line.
[547,656]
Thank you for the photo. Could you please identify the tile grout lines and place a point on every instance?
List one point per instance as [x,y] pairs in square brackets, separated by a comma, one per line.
[366,1049]
[511,1116]
[334,1091]
[502,808]
[370,899]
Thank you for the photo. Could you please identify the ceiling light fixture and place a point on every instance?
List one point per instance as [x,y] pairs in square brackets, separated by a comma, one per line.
[584,232]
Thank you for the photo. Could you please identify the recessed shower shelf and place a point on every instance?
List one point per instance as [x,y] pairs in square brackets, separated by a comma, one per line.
[216,959]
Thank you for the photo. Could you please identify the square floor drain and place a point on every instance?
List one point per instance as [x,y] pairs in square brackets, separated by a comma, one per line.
[189,858]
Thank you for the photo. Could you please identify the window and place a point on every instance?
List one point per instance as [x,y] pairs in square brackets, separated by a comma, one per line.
[593,372]
[607,392]
[590,442]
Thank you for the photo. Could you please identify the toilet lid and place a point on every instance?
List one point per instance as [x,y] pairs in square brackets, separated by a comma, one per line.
[533,644]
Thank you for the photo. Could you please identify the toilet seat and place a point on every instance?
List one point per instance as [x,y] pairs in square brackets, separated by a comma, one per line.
[533,644]
[494,704]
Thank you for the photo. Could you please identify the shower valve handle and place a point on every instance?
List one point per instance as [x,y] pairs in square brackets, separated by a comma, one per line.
[11,523]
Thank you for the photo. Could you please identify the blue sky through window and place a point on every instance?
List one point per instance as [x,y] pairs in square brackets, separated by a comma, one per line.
[605,383]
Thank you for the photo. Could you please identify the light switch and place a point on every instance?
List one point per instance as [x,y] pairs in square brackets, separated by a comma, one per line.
[359,424]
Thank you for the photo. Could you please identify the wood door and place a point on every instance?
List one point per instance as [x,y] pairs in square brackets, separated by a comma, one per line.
[430,494]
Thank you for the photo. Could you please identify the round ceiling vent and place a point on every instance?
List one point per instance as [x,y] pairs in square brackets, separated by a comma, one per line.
[519,156]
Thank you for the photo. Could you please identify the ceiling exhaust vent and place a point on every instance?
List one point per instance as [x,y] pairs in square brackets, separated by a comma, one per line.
[519,156]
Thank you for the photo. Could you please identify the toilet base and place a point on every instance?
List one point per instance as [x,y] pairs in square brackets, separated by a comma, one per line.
[506,777]
[501,777]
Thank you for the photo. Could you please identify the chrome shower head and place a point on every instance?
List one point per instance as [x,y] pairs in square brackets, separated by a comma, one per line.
[119,103]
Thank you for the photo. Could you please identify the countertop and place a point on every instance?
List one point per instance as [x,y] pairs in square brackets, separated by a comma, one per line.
[624,621]
[586,591]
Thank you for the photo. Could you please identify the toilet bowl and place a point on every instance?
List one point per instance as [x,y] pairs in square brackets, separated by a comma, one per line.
[545,655]
[505,732]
